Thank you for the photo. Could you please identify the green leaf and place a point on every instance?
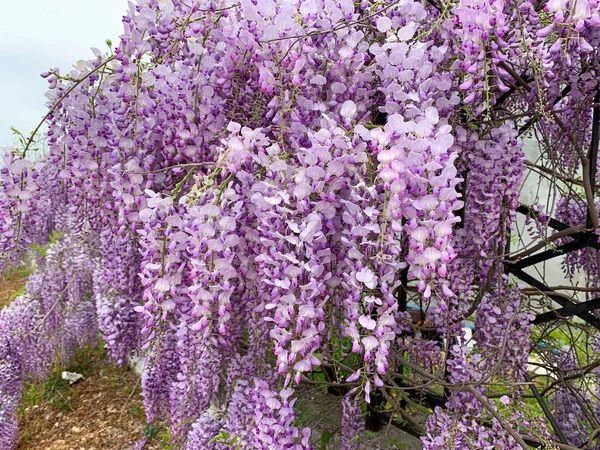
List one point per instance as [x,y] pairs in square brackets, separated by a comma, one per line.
[325,438]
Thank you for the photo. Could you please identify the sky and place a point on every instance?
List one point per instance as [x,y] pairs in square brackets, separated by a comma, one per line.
[37,35]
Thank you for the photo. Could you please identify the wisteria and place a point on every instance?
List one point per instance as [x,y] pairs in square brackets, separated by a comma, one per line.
[260,195]
[46,325]
[352,424]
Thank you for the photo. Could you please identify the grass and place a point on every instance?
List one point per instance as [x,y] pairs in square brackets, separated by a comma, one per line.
[13,284]
[108,397]
[55,390]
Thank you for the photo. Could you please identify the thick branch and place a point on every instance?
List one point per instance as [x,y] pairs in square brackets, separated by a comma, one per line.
[544,243]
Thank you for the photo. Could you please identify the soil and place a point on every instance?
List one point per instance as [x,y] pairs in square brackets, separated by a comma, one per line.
[10,287]
[103,411]
[322,412]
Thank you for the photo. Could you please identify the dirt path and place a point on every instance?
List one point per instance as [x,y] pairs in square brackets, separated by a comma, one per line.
[101,412]
[322,412]
[104,411]
[10,287]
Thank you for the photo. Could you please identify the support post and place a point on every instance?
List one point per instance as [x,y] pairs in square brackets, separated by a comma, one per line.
[553,423]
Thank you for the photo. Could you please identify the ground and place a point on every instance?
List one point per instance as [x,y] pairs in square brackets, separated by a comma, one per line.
[10,287]
[103,411]
[322,412]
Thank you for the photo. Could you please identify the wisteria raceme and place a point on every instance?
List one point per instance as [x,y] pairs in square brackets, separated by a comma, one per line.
[352,424]
[494,172]
[250,193]
[23,332]
[24,217]
[159,372]
[196,386]
[44,326]
[11,385]
[569,414]
[239,414]
[204,431]
[492,168]
[572,211]
[115,292]
[274,420]
[573,401]
[502,331]
[446,430]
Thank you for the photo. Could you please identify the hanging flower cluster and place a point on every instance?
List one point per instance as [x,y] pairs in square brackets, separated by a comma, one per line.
[45,326]
[572,211]
[24,208]
[352,424]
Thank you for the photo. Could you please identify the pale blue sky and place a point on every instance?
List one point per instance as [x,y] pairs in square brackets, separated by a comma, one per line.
[36,35]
